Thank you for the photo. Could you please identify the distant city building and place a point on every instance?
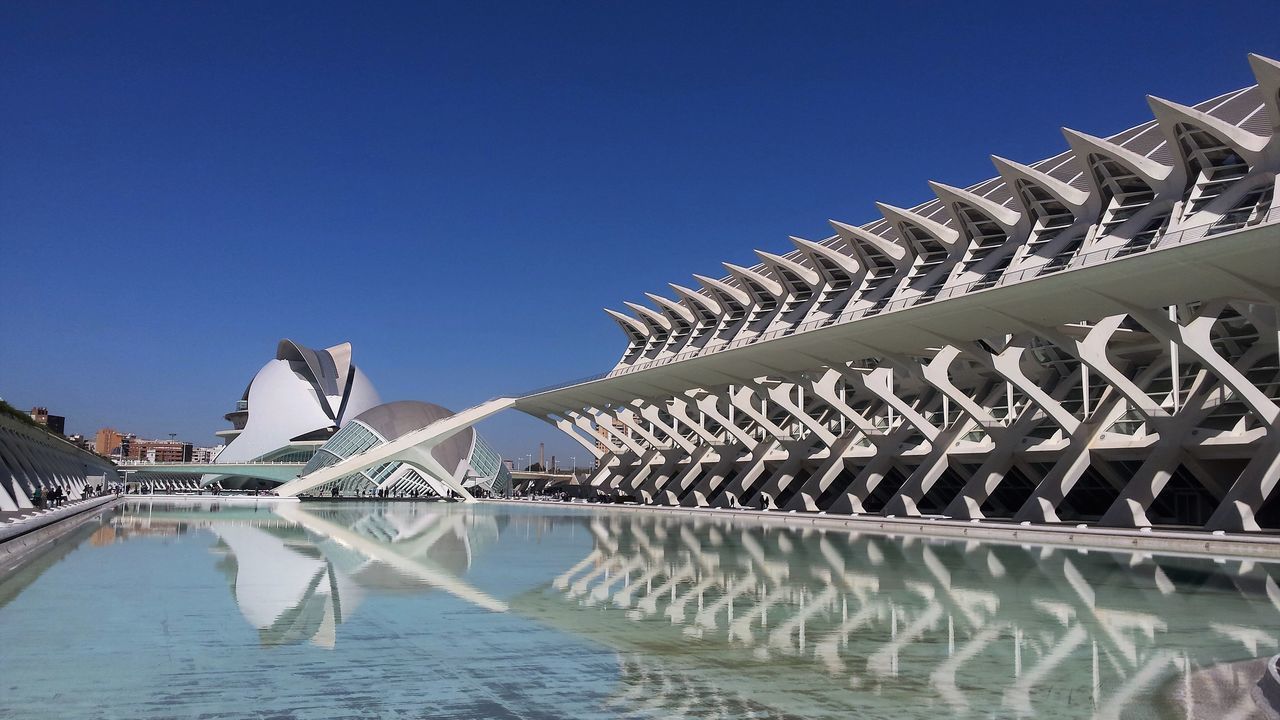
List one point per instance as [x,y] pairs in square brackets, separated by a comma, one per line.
[112,443]
[80,441]
[55,423]
[206,454]
[32,460]
[160,450]
[610,441]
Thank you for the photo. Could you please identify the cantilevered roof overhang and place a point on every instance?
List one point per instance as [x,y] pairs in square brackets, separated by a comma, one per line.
[1244,264]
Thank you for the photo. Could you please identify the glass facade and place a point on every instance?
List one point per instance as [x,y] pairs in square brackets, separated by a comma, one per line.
[483,469]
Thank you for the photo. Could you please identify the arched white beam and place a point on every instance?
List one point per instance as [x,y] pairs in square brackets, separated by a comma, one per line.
[568,427]
[781,264]
[659,327]
[705,310]
[673,309]
[937,249]
[724,292]
[1267,72]
[413,448]
[658,323]
[680,408]
[863,240]
[1164,180]
[826,258]
[699,304]
[653,413]
[802,284]
[903,220]
[780,395]
[1010,221]
[1081,204]
[1251,148]
[636,331]
[604,419]
[755,280]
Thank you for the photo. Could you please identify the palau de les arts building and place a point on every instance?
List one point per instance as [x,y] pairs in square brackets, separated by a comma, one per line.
[316,407]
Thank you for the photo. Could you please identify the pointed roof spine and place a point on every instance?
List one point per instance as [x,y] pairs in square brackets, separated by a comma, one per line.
[846,263]
[1162,178]
[656,320]
[858,237]
[1170,114]
[768,284]
[808,276]
[692,298]
[724,290]
[1267,72]
[635,330]
[1078,201]
[671,308]
[1006,218]
[899,216]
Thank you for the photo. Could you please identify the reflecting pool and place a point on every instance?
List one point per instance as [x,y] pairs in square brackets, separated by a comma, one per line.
[422,610]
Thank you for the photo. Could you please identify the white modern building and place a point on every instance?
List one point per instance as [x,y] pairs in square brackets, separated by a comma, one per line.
[459,466]
[1087,337]
[1091,337]
[307,410]
[295,403]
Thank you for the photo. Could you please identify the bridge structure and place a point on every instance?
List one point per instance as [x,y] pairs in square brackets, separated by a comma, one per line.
[1092,337]
[274,471]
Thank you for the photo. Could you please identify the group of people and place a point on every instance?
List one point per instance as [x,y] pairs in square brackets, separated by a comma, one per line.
[47,498]
[52,497]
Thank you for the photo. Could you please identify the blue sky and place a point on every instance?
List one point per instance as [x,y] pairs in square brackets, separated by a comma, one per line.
[458,188]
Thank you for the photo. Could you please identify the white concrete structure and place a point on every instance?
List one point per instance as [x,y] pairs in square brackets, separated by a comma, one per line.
[307,411]
[296,402]
[1089,337]
[454,465]
[1092,337]
[32,459]
[414,446]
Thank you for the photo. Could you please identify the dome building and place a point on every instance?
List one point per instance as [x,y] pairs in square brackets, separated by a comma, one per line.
[465,458]
[316,407]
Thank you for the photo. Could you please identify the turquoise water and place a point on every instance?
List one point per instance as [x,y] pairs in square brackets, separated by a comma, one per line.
[400,610]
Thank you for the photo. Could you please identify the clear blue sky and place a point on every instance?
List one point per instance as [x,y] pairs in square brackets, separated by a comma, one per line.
[458,188]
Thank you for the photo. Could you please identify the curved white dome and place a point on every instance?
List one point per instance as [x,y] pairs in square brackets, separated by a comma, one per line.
[394,419]
[294,396]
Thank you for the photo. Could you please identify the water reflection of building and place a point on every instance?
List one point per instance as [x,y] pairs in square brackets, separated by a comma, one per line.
[713,619]
[297,574]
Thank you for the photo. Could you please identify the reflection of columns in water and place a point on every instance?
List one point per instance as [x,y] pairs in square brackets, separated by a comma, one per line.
[1097,679]
[867,610]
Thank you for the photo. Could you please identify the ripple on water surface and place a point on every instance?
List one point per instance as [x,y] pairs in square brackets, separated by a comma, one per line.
[367,610]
